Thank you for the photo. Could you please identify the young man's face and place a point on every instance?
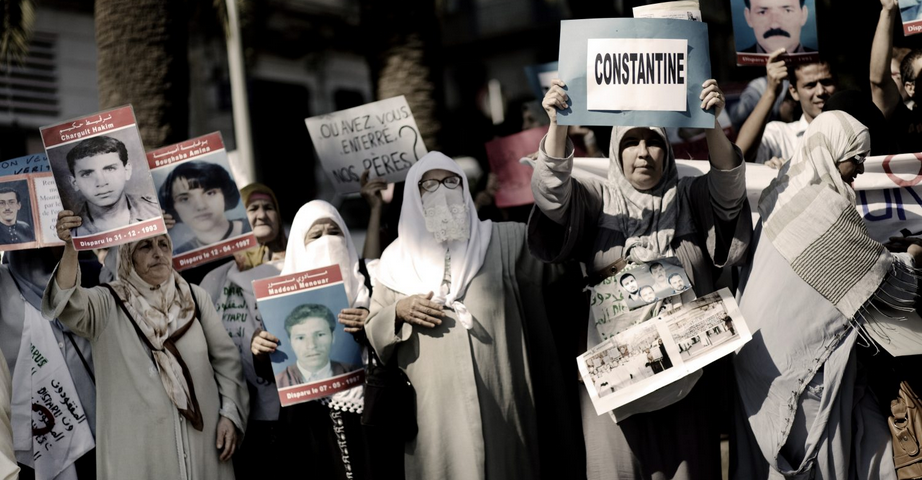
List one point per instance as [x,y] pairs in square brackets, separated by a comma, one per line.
[9,208]
[311,340]
[629,283]
[647,294]
[101,178]
[677,283]
[910,84]
[201,209]
[776,23]
[815,84]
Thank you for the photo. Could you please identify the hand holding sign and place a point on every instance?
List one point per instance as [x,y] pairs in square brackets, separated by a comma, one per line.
[711,96]
[555,99]
[776,70]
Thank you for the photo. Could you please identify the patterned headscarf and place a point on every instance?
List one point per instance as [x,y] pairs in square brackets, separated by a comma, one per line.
[809,215]
[159,311]
[648,219]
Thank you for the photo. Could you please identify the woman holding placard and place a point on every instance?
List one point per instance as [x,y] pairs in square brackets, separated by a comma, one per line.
[641,213]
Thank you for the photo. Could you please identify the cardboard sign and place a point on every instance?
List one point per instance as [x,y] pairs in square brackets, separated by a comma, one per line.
[659,351]
[29,204]
[540,77]
[196,186]
[635,72]
[101,172]
[381,137]
[767,25]
[513,176]
[679,10]
[316,357]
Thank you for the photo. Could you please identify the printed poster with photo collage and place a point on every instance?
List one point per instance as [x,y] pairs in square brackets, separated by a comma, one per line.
[101,172]
[29,204]
[648,356]
[196,186]
[316,357]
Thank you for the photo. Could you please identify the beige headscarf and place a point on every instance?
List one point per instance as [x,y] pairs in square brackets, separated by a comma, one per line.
[808,214]
[274,250]
[163,314]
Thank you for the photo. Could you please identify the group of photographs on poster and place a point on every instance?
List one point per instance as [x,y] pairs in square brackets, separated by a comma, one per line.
[29,204]
[655,353]
[315,357]
[196,188]
[645,283]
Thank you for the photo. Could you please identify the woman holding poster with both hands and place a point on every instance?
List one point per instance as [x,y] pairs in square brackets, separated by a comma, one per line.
[641,213]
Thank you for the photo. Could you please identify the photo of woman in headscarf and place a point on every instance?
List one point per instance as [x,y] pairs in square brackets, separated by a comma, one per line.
[168,377]
[198,195]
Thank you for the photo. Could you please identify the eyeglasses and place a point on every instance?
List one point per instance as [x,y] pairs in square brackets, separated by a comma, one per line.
[432,184]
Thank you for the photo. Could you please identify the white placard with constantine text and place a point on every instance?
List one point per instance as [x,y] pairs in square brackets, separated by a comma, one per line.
[636,74]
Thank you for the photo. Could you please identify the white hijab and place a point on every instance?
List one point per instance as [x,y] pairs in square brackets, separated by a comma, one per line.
[415,262]
[299,259]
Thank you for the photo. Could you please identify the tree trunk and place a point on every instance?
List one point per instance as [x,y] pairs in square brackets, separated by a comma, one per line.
[403,41]
[142,48]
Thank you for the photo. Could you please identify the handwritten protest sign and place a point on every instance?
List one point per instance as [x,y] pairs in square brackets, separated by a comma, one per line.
[540,77]
[659,351]
[622,71]
[29,204]
[101,172]
[196,186]
[762,26]
[316,357]
[381,137]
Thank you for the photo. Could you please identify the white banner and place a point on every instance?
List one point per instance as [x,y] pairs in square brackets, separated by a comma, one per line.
[636,74]
[889,192]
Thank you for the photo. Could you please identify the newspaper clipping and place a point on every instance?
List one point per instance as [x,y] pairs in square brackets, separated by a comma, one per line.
[655,353]
[101,172]
[316,357]
[29,204]
[197,188]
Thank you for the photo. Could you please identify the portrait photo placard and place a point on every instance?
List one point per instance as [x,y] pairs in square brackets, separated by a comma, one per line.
[643,283]
[381,137]
[195,185]
[762,26]
[316,357]
[634,71]
[29,204]
[646,357]
[101,172]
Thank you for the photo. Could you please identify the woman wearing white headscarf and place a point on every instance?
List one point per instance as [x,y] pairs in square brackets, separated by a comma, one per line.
[170,389]
[806,410]
[329,431]
[460,306]
[641,213]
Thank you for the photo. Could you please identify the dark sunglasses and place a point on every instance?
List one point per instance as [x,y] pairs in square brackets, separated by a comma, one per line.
[432,184]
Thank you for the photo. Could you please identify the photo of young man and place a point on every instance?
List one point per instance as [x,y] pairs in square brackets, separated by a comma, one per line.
[310,330]
[776,24]
[100,170]
[12,229]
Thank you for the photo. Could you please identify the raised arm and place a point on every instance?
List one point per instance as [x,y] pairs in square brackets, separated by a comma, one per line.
[722,153]
[750,136]
[371,192]
[884,92]
[85,311]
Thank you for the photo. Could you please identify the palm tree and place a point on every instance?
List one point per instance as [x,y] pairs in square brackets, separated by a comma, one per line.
[403,38]
[142,59]
[17,17]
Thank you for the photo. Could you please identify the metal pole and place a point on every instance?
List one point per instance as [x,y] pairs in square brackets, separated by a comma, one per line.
[240,105]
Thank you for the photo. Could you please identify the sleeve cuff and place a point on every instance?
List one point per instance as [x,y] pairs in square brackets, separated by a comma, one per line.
[55,298]
[229,409]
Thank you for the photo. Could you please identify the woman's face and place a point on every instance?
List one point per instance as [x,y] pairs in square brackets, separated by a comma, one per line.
[323,226]
[436,174]
[643,153]
[850,169]
[152,260]
[200,209]
[265,219]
